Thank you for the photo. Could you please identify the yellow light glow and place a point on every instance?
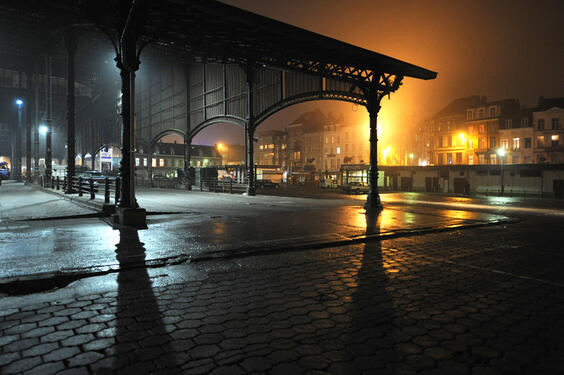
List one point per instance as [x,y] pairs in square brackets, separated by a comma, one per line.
[220,146]
[411,156]
[462,137]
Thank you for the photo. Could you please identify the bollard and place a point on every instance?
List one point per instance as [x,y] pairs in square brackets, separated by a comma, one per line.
[231,186]
[58,183]
[118,190]
[52,182]
[80,186]
[107,191]
[92,196]
[201,184]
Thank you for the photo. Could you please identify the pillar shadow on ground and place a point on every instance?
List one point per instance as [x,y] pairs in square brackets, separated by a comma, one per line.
[143,344]
[371,340]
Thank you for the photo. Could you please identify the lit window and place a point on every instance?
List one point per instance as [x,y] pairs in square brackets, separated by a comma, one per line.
[144,162]
[161,163]
[516,143]
[555,137]
[154,163]
[338,150]
[136,162]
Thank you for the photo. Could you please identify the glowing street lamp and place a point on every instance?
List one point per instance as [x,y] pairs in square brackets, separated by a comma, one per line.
[385,152]
[501,153]
[411,158]
[43,129]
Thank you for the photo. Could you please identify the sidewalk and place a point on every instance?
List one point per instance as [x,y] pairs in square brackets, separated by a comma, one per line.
[188,226]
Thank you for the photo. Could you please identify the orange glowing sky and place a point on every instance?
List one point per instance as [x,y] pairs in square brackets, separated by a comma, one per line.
[500,49]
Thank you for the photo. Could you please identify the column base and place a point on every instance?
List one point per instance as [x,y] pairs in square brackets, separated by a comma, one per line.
[251,192]
[132,217]
[109,208]
[373,203]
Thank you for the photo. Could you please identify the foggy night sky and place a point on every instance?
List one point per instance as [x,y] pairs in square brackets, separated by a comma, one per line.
[500,49]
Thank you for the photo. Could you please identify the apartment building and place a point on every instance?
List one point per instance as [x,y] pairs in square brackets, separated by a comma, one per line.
[548,122]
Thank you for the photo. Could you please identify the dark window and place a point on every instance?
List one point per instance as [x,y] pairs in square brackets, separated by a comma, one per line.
[459,158]
[527,142]
[440,141]
[449,140]
[492,142]
[541,124]
[555,123]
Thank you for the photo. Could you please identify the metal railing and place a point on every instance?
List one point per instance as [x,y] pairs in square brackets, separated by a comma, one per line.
[110,187]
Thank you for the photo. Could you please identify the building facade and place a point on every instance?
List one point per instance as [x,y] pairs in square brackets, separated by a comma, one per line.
[471,131]
[548,122]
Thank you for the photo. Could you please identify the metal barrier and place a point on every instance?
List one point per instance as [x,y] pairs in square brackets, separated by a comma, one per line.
[109,186]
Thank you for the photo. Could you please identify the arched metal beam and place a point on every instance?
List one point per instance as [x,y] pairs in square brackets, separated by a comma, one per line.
[166,132]
[106,145]
[342,96]
[215,120]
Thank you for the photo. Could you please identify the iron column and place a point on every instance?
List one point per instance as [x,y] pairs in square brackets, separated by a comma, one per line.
[188,137]
[48,151]
[373,202]
[36,117]
[250,129]
[128,212]
[70,44]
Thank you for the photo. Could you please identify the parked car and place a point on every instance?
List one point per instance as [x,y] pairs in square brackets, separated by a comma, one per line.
[267,184]
[356,188]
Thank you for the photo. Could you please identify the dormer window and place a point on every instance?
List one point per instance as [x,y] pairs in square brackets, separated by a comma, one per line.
[492,111]
[470,114]
[481,113]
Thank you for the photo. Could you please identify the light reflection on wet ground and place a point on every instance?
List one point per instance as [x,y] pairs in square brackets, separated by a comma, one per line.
[228,223]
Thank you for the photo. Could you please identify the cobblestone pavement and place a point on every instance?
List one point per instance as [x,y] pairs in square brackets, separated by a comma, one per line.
[474,301]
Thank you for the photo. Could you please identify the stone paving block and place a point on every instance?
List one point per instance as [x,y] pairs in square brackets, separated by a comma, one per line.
[257,364]
[47,369]
[84,359]
[61,354]
[40,349]
[21,365]
[6,358]
[20,328]
[21,344]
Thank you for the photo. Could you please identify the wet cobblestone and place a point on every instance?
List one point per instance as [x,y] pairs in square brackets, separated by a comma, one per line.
[475,301]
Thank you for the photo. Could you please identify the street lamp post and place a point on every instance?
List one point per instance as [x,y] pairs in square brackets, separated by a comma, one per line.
[501,153]
[18,160]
